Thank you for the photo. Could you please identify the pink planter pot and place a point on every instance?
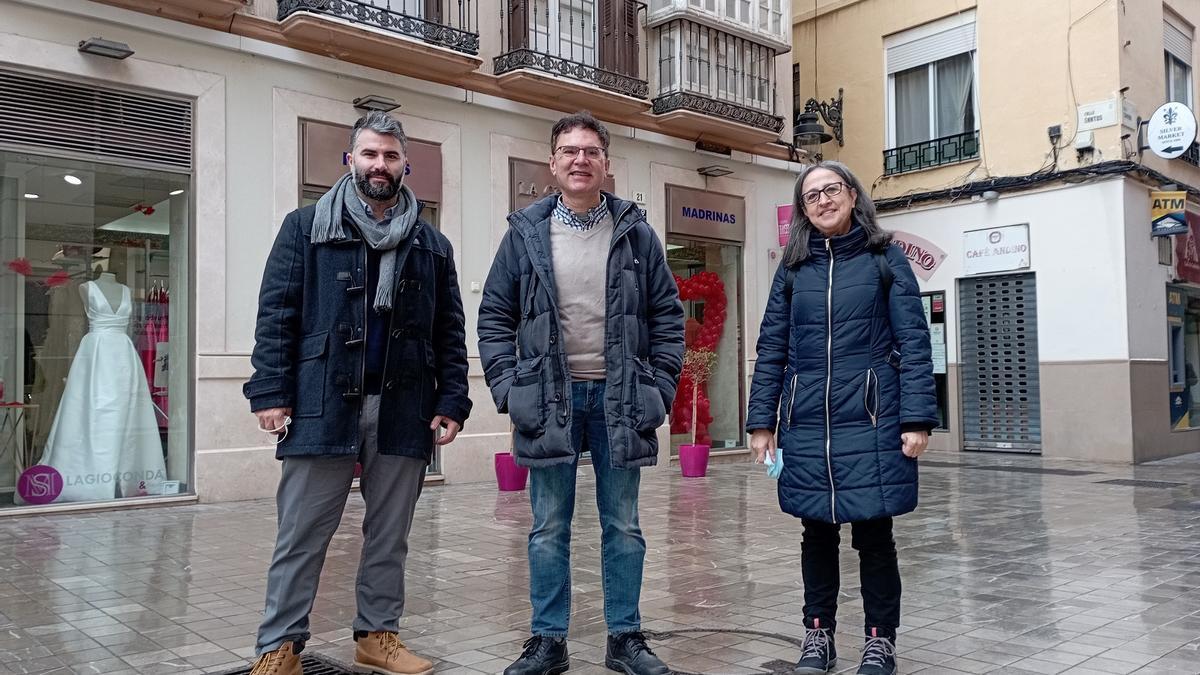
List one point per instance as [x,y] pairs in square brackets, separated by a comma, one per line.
[509,476]
[693,460]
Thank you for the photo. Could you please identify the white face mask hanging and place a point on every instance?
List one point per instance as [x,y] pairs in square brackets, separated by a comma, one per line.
[280,433]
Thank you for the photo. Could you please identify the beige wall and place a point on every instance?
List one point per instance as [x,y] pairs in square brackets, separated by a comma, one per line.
[1142,70]
[1025,83]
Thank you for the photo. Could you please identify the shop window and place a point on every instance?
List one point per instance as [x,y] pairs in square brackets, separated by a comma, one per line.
[1183,355]
[93,321]
[935,317]
[711,391]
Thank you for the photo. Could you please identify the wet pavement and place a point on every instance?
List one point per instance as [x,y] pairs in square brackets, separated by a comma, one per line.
[1011,565]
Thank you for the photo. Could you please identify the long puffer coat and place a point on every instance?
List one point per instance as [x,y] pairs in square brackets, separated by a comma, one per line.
[840,376]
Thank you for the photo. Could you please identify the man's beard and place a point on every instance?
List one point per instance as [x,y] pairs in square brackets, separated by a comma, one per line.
[379,193]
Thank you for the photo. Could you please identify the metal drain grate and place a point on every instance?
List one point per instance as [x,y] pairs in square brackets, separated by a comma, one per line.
[1036,469]
[1006,469]
[313,665]
[1131,482]
[941,465]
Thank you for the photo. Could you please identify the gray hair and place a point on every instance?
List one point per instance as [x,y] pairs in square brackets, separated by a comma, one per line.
[381,123]
[863,215]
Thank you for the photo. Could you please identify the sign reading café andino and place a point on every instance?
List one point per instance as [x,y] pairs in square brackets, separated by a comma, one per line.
[705,214]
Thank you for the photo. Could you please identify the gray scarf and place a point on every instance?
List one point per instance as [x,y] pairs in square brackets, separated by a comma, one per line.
[343,199]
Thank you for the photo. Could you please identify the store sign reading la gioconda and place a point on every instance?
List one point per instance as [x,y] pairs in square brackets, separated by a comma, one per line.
[996,249]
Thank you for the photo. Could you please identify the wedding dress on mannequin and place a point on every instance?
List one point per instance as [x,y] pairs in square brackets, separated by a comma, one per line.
[104,440]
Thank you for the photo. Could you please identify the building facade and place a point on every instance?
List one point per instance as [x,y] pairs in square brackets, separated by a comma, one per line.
[140,194]
[1003,142]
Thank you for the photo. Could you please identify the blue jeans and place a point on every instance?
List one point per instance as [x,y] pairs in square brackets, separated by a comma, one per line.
[623,550]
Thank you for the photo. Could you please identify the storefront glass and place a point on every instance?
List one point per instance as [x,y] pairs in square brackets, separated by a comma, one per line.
[935,317]
[1183,330]
[711,390]
[93,332]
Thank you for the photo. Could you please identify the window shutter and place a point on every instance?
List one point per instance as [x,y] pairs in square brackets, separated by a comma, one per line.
[433,11]
[629,38]
[942,45]
[610,34]
[1177,40]
[518,24]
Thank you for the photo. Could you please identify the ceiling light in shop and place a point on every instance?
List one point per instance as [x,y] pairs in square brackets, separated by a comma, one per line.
[175,193]
[73,180]
[30,195]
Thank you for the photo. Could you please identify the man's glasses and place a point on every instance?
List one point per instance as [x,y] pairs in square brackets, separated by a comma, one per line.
[571,152]
[832,190]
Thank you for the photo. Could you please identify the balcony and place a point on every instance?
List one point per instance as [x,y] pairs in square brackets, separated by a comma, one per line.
[715,85]
[204,12]
[431,39]
[554,50]
[765,22]
[1192,154]
[928,154]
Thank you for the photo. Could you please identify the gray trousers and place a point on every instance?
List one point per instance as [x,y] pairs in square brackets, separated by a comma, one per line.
[312,495]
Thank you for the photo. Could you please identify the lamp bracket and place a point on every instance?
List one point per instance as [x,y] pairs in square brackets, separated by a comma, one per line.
[831,112]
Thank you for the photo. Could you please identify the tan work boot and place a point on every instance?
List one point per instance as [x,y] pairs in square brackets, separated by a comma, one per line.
[383,652]
[282,661]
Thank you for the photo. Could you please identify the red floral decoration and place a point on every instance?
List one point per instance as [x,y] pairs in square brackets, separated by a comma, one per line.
[21,266]
[708,288]
[59,278]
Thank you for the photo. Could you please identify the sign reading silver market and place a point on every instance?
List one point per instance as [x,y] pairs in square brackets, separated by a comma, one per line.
[1171,130]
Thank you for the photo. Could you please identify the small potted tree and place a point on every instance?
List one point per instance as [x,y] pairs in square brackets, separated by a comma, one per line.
[697,366]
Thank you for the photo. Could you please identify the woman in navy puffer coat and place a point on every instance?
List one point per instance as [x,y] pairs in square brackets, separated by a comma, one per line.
[845,378]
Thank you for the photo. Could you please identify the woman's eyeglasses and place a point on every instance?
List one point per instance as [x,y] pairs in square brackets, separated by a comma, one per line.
[832,190]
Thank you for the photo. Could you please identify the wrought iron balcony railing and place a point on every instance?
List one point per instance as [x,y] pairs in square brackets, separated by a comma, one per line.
[453,24]
[1192,154]
[567,38]
[936,152]
[682,100]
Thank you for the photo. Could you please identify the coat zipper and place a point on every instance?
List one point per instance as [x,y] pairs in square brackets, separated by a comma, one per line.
[624,347]
[792,401]
[872,385]
[829,382]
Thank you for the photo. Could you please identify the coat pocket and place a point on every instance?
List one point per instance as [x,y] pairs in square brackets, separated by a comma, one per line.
[652,412]
[871,397]
[787,402]
[310,375]
[527,397]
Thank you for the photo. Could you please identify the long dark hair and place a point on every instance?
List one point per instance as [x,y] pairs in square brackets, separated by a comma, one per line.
[863,215]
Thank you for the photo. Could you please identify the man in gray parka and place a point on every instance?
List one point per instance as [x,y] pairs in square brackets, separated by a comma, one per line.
[581,339]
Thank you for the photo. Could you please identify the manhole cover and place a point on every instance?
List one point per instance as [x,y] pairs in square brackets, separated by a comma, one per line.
[313,665]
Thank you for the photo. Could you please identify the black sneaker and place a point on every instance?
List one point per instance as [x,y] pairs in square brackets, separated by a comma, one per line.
[818,655]
[628,653]
[542,656]
[879,657]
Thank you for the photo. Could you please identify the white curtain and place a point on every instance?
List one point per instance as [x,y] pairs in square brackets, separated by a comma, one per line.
[955,107]
[912,105]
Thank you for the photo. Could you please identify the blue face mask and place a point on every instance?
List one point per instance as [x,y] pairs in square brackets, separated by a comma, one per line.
[775,466]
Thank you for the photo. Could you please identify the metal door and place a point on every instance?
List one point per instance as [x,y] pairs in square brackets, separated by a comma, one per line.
[1000,392]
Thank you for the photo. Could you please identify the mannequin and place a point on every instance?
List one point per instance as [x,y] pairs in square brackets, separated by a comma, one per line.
[104,440]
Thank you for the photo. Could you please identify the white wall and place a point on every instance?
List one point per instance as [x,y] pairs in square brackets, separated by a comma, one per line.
[1077,251]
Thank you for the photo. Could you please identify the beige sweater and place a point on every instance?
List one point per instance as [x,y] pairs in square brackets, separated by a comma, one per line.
[580,262]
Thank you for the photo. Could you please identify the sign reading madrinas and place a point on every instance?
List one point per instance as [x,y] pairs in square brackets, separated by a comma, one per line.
[996,249]
[1171,130]
[1168,213]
